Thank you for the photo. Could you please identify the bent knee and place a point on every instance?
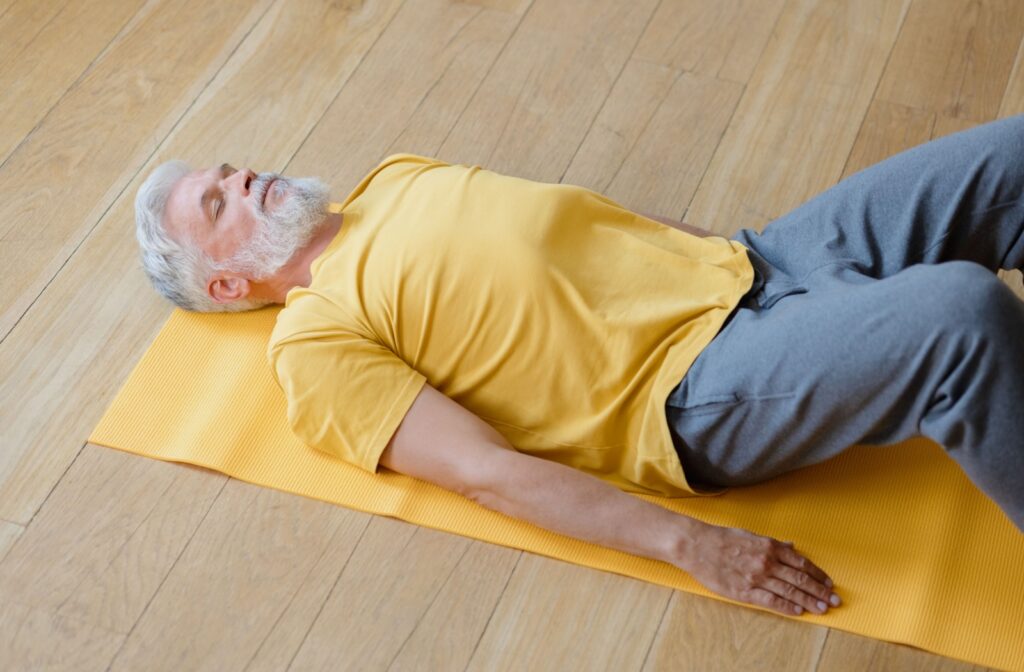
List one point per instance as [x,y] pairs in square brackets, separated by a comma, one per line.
[966,296]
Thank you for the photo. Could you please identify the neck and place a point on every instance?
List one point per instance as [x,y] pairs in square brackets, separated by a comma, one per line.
[296,273]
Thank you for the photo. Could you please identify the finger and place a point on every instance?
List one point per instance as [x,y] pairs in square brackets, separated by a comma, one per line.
[804,582]
[791,593]
[766,598]
[790,557]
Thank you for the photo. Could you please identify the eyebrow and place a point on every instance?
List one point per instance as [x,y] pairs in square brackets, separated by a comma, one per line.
[205,198]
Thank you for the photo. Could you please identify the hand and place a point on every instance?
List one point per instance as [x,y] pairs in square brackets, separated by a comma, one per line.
[747,567]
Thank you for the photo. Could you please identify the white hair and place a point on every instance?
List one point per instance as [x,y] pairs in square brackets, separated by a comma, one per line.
[177,271]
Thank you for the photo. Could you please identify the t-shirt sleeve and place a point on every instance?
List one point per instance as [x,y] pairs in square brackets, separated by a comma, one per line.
[346,394]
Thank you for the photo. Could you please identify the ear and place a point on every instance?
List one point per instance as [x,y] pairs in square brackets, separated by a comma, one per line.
[228,288]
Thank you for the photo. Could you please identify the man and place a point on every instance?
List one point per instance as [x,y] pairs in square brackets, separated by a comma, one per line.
[540,349]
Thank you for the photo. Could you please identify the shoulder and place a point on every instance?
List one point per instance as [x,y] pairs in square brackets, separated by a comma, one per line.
[309,315]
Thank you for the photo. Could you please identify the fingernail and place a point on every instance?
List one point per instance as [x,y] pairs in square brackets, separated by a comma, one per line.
[834,600]
[828,582]
[822,606]
[799,610]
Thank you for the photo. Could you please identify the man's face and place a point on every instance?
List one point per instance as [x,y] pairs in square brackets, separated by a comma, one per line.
[246,223]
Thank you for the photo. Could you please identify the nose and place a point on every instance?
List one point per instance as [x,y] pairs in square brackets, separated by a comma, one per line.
[239,179]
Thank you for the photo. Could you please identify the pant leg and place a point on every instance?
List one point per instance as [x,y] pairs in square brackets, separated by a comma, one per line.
[957,197]
[932,350]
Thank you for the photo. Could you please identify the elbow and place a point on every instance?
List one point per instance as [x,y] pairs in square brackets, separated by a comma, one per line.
[484,496]
[489,481]
[487,492]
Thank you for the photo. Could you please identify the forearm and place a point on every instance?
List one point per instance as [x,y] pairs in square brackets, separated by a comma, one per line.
[571,502]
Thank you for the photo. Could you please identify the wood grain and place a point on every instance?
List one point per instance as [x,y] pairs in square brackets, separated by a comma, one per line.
[9,535]
[115,527]
[888,129]
[845,651]
[380,597]
[798,118]
[702,635]
[666,163]
[730,112]
[67,173]
[45,68]
[719,38]
[236,576]
[954,57]
[102,296]
[533,110]
[553,616]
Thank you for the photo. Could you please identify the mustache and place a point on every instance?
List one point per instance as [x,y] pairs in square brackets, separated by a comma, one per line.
[258,187]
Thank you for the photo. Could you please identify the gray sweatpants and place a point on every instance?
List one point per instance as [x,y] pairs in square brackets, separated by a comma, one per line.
[876,316]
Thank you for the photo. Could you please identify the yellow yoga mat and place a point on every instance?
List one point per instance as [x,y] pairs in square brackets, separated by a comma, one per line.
[919,556]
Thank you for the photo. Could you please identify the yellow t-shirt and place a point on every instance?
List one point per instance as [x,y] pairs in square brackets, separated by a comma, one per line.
[549,310]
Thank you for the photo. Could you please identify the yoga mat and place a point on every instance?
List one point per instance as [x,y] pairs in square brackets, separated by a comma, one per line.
[919,556]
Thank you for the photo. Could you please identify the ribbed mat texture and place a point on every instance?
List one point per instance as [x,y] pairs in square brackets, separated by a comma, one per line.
[919,556]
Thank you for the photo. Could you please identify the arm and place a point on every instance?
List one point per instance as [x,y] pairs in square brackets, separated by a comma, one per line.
[443,443]
[682,226]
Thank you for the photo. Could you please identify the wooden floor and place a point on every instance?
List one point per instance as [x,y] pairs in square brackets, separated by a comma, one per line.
[726,113]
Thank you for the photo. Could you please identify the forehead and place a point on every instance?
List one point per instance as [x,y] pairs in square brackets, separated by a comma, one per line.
[183,215]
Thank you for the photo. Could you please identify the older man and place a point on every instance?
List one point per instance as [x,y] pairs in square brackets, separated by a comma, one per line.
[541,349]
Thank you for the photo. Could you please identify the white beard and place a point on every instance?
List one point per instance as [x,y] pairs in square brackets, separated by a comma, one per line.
[280,234]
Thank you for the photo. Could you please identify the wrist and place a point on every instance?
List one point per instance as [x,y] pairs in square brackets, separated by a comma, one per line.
[683,540]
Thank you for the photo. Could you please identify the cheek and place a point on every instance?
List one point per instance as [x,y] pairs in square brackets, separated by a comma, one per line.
[226,242]
[243,233]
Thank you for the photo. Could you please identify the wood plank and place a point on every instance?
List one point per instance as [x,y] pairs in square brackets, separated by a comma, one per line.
[702,634]
[95,319]
[385,590]
[888,129]
[449,631]
[517,7]
[9,535]
[660,169]
[1014,280]
[558,616]
[66,174]
[284,637]
[1013,97]
[954,57]
[798,119]
[417,80]
[451,620]
[113,528]
[61,51]
[638,94]
[845,651]
[20,22]
[945,125]
[719,38]
[532,112]
[237,575]
[35,639]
